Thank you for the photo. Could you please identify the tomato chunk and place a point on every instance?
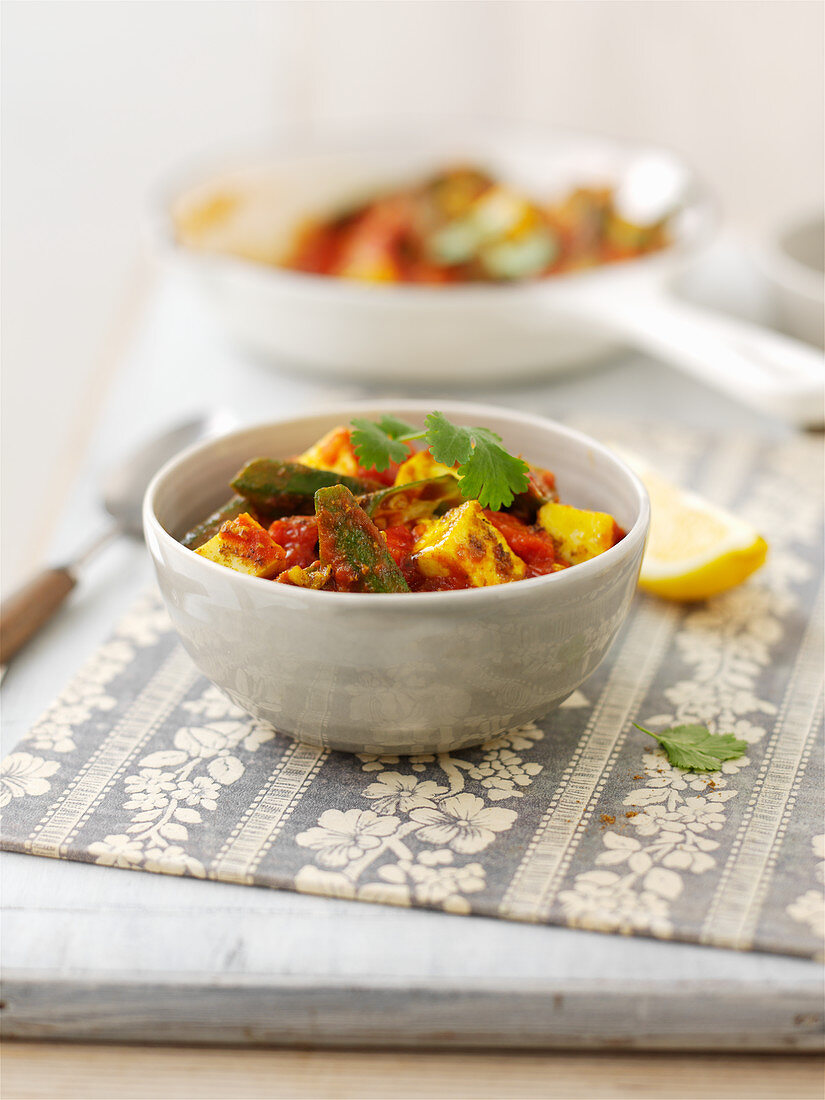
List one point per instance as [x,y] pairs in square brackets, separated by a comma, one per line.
[298,535]
[400,542]
[534,546]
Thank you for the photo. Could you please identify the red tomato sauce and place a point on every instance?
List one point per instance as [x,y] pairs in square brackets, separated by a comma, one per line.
[400,542]
[532,544]
[298,535]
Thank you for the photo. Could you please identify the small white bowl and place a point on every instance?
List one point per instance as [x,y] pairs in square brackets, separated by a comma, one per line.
[411,673]
[792,264]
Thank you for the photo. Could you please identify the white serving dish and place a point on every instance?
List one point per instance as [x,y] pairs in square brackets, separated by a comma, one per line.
[409,673]
[417,335]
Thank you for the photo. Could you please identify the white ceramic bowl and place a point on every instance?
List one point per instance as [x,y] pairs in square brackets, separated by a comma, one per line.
[410,334]
[415,335]
[408,673]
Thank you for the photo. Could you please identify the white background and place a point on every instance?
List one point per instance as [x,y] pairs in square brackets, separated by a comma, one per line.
[101,101]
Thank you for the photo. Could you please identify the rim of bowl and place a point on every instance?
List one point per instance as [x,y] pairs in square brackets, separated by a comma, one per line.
[637,533]
[161,224]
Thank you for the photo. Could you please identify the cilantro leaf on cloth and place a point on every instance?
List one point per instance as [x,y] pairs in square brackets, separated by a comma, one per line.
[696,748]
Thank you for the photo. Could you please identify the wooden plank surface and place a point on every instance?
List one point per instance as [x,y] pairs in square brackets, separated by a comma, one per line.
[428,1014]
[43,1071]
[95,954]
[91,952]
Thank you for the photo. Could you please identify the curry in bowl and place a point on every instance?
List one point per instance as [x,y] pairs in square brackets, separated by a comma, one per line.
[363,511]
[462,225]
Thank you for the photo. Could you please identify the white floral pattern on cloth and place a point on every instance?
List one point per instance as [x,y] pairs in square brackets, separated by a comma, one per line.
[22,774]
[86,695]
[809,908]
[173,788]
[408,812]
[727,644]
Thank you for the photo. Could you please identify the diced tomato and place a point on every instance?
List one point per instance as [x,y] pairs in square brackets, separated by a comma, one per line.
[298,535]
[533,545]
[368,246]
[400,542]
[316,250]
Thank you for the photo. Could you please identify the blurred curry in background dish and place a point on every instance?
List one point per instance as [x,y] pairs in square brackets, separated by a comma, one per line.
[459,226]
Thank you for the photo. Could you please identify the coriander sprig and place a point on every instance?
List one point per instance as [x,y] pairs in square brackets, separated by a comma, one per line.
[486,472]
[696,749]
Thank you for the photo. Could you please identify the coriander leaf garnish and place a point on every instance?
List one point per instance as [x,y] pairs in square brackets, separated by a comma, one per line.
[492,476]
[376,443]
[487,473]
[396,428]
[696,748]
[449,443]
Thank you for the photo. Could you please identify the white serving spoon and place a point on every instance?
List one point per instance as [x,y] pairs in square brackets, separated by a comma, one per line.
[773,373]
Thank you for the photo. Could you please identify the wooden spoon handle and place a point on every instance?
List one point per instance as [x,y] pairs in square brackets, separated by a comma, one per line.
[24,612]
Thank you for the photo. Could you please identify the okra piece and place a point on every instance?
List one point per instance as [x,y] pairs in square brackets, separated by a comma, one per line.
[206,530]
[352,545]
[275,486]
[416,500]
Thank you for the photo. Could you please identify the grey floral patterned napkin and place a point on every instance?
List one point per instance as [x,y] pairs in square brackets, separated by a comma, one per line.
[577,820]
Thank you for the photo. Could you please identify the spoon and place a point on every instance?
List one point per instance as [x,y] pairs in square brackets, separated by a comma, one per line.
[25,611]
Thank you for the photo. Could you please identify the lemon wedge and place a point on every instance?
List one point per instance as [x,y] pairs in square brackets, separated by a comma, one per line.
[695,549]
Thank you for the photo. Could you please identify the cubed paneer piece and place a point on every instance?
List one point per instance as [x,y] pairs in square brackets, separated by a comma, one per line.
[464,543]
[243,545]
[420,466]
[579,535]
[333,452]
[314,576]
